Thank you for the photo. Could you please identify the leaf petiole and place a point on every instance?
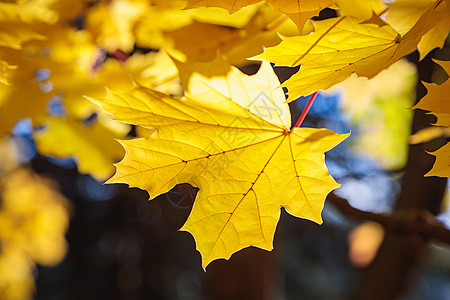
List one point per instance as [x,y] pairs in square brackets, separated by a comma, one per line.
[306,110]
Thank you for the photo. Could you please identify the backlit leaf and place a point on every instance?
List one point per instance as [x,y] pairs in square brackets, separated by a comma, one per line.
[403,14]
[231,138]
[437,101]
[342,46]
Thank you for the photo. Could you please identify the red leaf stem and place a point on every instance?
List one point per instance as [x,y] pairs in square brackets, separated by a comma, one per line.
[306,110]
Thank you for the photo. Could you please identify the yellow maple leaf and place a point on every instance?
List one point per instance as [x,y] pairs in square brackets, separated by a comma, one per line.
[441,166]
[438,102]
[435,38]
[299,11]
[342,46]
[230,137]
[403,14]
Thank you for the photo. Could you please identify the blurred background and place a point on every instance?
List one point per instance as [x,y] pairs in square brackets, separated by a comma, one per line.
[66,235]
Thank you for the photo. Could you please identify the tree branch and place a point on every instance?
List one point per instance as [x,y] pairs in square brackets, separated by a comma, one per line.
[407,222]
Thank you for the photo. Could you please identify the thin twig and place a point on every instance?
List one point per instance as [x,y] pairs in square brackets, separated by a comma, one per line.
[408,222]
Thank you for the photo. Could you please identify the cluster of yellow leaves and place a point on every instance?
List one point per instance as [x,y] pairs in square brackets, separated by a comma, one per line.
[363,44]
[50,67]
[53,63]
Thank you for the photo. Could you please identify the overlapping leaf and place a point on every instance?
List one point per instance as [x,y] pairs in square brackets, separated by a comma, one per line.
[47,81]
[403,14]
[230,137]
[438,102]
[343,45]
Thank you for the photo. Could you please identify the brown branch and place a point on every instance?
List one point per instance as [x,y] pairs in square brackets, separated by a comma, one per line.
[407,222]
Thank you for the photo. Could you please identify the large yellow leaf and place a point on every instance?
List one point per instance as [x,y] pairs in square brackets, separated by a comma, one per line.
[298,11]
[438,102]
[231,138]
[342,46]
